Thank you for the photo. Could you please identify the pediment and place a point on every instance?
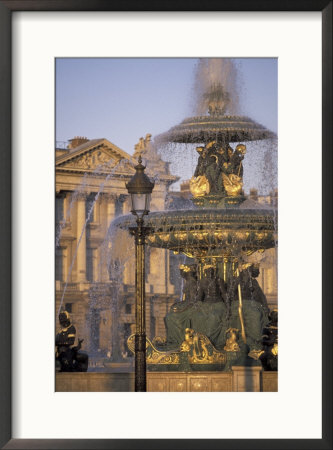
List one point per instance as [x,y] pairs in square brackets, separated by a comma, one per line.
[100,156]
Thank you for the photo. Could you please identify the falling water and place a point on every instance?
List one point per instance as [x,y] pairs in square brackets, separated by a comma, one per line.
[213,72]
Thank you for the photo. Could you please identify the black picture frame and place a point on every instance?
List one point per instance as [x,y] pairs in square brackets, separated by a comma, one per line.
[6,9]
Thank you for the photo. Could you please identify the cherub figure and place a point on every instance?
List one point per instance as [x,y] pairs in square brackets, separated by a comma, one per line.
[232,336]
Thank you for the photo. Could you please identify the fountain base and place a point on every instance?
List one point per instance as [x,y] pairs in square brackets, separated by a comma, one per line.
[195,354]
[239,379]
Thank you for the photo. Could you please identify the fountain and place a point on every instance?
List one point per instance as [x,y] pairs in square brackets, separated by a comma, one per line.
[220,320]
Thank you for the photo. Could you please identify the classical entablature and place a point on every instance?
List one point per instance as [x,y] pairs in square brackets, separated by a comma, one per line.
[99,158]
[96,156]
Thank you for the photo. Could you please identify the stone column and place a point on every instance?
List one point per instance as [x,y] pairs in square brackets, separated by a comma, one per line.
[95,264]
[67,207]
[65,264]
[127,205]
[81,251]
[110,209]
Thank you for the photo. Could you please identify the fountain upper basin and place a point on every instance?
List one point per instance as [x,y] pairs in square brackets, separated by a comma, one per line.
[209,232]
[202,129]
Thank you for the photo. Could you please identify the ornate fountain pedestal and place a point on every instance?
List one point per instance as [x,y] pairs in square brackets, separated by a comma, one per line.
[239,379]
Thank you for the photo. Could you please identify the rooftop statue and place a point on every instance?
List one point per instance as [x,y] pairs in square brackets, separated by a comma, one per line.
[148,152]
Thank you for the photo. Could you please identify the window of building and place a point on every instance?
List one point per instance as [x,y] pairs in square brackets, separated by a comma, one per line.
[128,308]
[59,264]
[59,209]
[95,330]
[89,205]
[119,206]
[89,264]
[114,269]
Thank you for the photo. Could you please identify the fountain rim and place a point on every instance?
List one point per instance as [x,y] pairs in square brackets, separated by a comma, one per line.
[214,127]
[184,214]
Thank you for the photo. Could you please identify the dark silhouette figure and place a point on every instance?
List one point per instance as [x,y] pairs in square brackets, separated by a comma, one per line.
[69,358]
[269,358]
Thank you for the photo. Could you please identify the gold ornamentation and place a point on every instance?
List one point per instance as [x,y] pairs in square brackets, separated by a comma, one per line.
[274,350]
[255,354]
[210,144]
[233,184]
[241,148]
[200,350]
[187,253]
[240,308]
[208,266]
[164,237]
[185,268]
[154,356]
[158,340]
[232,345]
[199,186]
[246,266]
[181,236]
[198,347]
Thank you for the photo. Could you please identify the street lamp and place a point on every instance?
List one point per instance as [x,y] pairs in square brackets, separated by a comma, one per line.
[140,189]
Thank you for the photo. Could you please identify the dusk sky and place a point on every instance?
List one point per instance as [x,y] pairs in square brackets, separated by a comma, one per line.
[122,99]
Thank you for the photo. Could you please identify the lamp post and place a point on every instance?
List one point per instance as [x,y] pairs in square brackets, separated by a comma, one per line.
[140,189]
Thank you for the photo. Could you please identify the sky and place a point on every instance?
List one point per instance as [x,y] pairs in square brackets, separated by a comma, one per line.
[122,99]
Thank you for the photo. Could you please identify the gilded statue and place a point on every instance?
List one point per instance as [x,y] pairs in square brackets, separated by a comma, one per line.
[232,338]
[199,185]
[206,178]
[232,172]
[188,340]
[199,348]
[219,170]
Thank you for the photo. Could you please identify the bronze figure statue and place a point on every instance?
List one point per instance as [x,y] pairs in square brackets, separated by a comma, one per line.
[211,287]
[269,358]
[254,306]
[69,358]
[219,170]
